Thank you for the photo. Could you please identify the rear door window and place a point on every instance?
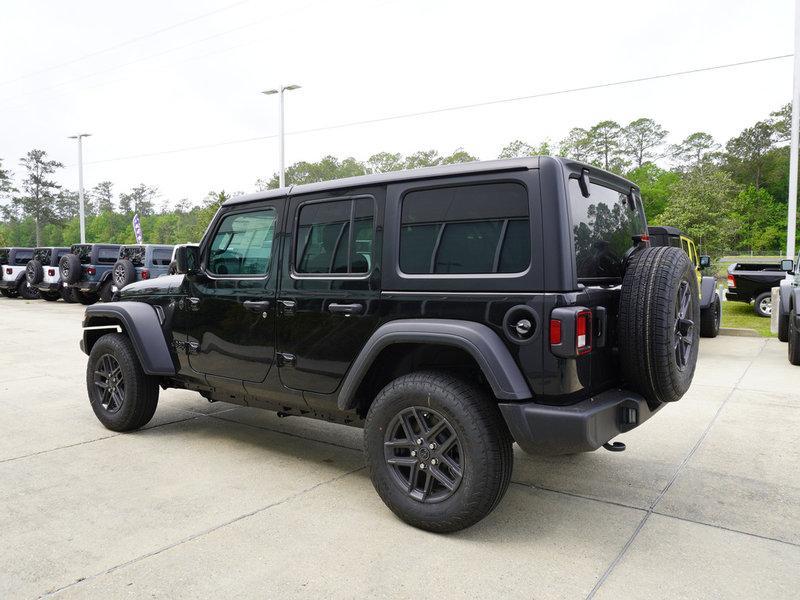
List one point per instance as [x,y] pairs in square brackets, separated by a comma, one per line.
[472,229]
[335,237]
[162,257]
[107,256]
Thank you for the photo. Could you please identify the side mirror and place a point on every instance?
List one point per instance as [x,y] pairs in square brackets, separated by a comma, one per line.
[187,260]
[705,261]
[787,264]
[583,183]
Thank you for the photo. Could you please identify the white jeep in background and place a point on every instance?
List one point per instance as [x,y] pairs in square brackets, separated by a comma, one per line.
[13,262]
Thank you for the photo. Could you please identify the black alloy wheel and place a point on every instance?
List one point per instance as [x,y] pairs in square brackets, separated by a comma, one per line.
[684,326]
[109,381]
[424,454]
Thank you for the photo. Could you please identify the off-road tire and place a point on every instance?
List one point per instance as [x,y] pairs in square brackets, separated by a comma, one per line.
[649,328]
[50,296]
[710,318]
[8,293]
[68,295]
[794,339]
[70,268]
[26,292]
[106,293]
[33,272]
[757,304]
[85,298]
[485,441]
[123,273]
[783,327]
[140,397]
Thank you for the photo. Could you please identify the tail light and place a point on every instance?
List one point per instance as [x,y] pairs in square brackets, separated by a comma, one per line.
[583,332]
[571,331]
[731,281]
[91,270]
[9,270]
[51,272]
[145,274]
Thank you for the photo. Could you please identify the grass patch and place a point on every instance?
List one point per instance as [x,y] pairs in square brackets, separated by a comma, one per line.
[741,315]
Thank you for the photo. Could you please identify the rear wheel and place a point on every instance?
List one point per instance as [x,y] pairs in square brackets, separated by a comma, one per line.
[437,450]
[85,297]
[27,292]
[50,296]
[783,324]
[122,396]
[105,291]
[763,305]
[68,295]
[710,318]
[7,293]
[794,339]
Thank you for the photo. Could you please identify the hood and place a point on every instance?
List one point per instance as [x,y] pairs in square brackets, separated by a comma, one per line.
[168,285]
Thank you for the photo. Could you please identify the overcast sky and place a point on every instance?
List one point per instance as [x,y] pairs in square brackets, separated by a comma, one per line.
[198,83]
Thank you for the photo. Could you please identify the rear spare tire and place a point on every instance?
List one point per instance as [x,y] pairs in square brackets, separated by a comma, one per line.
[70,267]
[659,317]
[123,273]
[33,272]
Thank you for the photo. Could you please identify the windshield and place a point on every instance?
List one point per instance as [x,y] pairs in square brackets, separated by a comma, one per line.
[604,227]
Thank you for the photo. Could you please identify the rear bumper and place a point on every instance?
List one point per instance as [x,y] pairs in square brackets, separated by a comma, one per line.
[8,285]
[735,296]
[85,286]
[48,286]
[581,427]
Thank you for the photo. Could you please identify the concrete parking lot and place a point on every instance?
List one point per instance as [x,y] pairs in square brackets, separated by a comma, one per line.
[212,500]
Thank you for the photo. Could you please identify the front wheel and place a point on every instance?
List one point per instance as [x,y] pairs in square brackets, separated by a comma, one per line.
[710,319]
[437,450]
[794,339]
[763,305]
[122,396]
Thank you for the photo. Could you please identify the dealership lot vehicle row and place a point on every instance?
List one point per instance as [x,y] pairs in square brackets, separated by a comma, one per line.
[212,496]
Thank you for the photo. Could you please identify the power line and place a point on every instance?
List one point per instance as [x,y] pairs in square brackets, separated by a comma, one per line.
[125,43]
[456,107]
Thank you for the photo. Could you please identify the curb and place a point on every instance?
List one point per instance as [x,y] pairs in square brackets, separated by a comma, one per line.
[738,332]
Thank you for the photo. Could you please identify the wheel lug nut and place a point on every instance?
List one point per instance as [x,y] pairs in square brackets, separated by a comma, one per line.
[422,466]
[431,446]
[433,461]
[419,441]
[413,453]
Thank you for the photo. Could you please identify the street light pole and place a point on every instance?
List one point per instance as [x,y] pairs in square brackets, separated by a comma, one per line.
[82,211]
[791,226]
[280,91]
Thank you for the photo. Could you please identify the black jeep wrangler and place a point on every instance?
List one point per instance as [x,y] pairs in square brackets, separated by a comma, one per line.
[448,311]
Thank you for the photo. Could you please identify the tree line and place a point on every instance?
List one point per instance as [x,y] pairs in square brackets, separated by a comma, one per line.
[730,197]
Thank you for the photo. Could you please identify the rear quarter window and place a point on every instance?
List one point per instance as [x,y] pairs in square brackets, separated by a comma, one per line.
[466,229]
[107,256]
[162,257]
[21,257]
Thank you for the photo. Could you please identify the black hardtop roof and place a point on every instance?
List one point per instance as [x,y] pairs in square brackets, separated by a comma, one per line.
[469,168]
[664,230]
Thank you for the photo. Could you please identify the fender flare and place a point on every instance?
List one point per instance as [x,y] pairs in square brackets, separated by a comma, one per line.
[708,286]
[478,340]
[785,304]
[142,326]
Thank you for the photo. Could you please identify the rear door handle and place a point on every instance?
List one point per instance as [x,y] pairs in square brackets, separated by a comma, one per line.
[256,305]
[346,309]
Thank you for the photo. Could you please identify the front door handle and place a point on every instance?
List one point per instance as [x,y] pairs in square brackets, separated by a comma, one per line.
[256,305]
[346,309]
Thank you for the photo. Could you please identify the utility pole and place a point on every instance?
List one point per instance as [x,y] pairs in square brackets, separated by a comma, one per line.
[82,211]
[791,227]
[280,91]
